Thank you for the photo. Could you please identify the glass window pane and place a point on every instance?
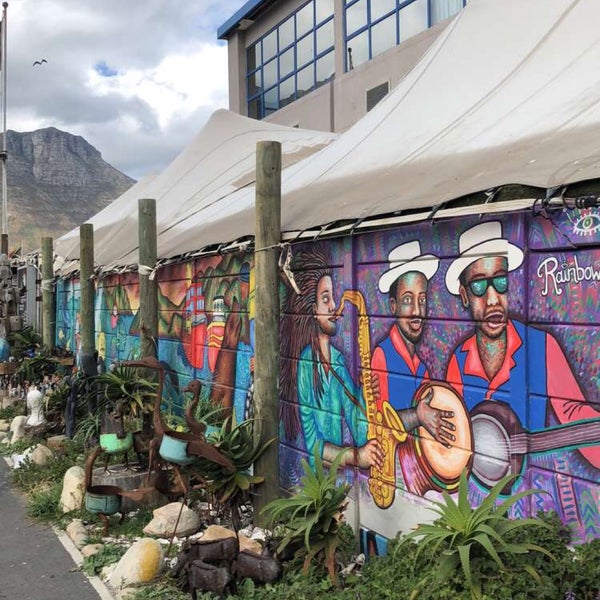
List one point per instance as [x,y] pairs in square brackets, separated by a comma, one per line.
[444,9]
[381,7]
[413,19]
[305,20]
[360,50]
[325,67]
[270,45]
[325,37]
[271,101]
[286,62]
[254,109]
[305,50]
[254,83]
[324,9]
[286,33]
[383,36]
[252,57]
[270,74]
[356,16]
[287,91]
[306,80]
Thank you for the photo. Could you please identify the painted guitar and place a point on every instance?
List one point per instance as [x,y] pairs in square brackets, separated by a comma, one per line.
[501,444]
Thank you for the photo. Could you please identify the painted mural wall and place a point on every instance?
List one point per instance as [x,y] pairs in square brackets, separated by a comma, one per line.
[419,352]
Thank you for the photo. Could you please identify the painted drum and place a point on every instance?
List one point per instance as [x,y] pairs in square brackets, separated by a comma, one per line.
[112,444]
[427,464]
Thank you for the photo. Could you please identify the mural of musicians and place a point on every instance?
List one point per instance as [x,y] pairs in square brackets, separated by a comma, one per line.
[395,362]
[504,357]
[319,386]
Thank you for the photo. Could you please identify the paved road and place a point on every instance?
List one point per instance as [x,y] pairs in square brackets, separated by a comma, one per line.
[33,563]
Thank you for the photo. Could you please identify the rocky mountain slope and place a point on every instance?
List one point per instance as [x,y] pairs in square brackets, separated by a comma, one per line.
[56,181]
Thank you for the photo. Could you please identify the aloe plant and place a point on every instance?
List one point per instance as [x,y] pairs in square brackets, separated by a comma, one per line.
[231,488]
[462,533]
[314,514]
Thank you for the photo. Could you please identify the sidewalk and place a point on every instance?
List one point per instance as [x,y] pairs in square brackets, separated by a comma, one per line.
[33,562]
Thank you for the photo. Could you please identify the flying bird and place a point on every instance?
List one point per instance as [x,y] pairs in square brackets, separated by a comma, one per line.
[39,62]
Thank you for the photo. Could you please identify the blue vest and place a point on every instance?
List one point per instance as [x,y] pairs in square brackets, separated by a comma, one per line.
[526,389]
[402,384]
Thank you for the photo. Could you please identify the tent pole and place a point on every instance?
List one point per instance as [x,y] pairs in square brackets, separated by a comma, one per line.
[86,282]
[266,360]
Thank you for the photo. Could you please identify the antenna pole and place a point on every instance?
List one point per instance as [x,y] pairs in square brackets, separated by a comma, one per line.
[3,152]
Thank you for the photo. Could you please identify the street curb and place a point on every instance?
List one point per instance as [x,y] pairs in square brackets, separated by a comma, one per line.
[97,583]
[101,588]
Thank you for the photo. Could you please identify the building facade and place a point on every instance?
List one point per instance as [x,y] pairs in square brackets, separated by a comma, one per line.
[323,64]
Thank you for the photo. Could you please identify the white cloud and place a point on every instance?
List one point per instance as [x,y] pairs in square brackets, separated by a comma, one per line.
[171,73]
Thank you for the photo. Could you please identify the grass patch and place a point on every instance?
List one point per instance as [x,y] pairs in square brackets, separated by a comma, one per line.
[110,554]
[10,412]
[163,589]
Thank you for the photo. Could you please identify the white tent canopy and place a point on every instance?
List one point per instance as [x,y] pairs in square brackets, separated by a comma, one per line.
[509,93]
[220,160]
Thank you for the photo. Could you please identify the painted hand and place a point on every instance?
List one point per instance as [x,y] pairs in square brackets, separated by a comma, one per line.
[369,455]
[435,420]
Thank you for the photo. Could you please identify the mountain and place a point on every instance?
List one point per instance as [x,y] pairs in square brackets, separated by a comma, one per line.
[56,181]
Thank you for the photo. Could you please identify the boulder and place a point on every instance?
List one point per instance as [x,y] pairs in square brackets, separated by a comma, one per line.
[3,435]
[216,532]
[250,546]
[165,518]
[73,490]
[41,455]
[91,549]
[140,564]
[57,442]
[77,532]
[17,428]
[4,425]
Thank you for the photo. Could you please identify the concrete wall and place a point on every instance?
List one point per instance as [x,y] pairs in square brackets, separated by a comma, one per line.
[334,109]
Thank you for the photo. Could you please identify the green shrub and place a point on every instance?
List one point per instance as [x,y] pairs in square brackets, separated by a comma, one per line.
[110,554]
[313,515]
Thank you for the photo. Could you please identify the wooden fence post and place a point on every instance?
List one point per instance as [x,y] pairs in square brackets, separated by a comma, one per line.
[148,289]
[48,316]
[266,360]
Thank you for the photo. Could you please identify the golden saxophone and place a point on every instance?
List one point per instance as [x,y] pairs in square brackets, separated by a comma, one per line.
[384,425]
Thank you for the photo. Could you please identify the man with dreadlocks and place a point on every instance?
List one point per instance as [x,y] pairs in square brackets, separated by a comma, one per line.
[319,384]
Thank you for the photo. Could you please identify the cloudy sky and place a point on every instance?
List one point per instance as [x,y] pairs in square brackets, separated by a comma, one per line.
[136,78]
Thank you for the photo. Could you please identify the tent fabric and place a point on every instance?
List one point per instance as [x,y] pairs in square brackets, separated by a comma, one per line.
[508,93]
[220,160]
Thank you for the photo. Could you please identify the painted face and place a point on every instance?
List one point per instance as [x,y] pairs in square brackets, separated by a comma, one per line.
[410,305]
[324,307]
[485,294]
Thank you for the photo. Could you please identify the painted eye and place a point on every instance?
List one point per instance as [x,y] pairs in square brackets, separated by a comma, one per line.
[587,224]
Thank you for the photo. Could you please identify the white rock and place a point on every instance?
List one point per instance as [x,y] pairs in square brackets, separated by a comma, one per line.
[41,455]
[140,564]
[73,489]
[17,428]
[4,426]
[91,549]
[165,518]
[77,532]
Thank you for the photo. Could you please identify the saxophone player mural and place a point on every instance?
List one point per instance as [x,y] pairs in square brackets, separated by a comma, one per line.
[429,332]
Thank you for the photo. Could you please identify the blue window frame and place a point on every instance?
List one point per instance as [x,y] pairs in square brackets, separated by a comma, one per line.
[290,60]
[373,26]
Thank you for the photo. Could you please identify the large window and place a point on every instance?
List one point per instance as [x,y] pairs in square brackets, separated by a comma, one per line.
[373,26]
[292,59]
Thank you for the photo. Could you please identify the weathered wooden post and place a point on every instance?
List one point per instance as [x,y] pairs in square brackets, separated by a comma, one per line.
[86,283]
[4,244]
[266,359]
[48,316]
[148,291]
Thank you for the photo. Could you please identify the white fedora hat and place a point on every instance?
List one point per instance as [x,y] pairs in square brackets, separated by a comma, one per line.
[405,258]
[484,239]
